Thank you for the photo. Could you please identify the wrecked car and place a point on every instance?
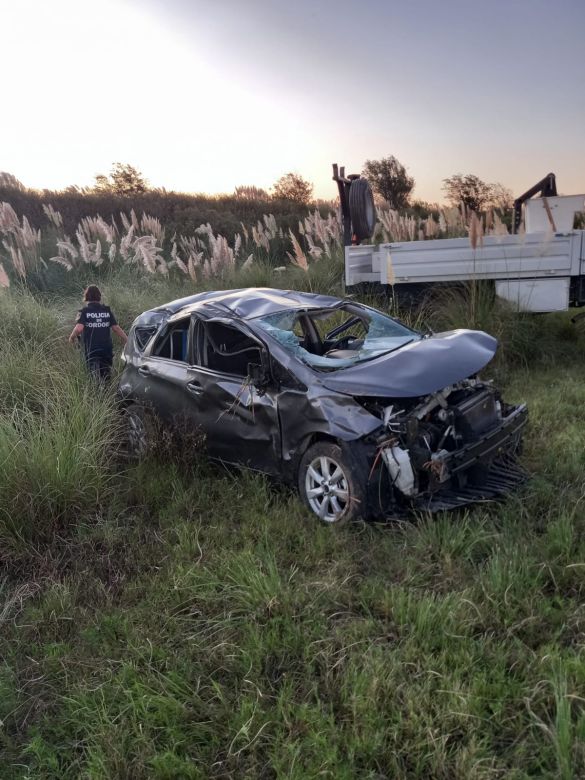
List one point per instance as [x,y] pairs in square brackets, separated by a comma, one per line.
[362,414]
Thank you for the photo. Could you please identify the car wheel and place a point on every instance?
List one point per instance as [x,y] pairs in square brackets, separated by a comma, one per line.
[328,485]
[137,431]
[362,209]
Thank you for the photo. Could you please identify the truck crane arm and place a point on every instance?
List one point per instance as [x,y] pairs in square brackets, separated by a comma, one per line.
[547,187]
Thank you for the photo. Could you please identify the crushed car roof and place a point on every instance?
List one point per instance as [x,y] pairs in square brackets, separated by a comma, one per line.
[424,366]
[250,302]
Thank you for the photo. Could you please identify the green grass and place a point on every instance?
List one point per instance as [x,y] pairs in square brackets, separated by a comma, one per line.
[175,620]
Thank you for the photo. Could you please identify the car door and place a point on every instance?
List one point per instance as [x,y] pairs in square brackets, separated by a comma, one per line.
[164,371]
[240,423]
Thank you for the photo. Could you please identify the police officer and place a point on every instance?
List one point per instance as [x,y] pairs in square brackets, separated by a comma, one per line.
[95,322]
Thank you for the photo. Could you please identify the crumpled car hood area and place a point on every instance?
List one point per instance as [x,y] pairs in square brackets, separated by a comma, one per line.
[418,369]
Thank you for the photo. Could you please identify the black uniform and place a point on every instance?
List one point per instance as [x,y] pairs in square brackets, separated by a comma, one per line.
[97,321]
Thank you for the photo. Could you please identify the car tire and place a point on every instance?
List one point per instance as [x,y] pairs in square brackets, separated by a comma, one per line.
[362,209]
[138,431]
[329,485]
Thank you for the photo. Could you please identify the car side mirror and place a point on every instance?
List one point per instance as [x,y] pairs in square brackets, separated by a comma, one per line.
[258,376]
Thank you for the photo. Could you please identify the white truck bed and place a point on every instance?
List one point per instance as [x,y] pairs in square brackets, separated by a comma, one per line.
[540,270]
[533,270]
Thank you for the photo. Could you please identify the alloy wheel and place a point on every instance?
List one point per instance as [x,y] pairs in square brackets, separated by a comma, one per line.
[327,488]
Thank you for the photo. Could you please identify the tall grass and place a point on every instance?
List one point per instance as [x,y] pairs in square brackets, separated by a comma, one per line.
[31,256]
[177,620]
[523,337]
[57,431]
[54,463]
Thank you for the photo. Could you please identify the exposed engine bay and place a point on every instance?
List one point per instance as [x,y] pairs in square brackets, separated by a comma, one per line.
[445,438]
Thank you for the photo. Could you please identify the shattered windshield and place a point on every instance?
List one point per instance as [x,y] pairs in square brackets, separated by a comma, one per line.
[337,338]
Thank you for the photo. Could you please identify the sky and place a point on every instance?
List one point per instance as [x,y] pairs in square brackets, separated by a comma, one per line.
[206,95]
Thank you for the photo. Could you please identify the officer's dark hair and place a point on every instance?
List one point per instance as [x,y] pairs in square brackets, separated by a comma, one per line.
[92,294]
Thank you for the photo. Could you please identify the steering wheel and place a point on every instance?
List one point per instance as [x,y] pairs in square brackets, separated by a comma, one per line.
[345,342]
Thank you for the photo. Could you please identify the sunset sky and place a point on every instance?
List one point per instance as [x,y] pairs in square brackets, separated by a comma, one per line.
[205,95]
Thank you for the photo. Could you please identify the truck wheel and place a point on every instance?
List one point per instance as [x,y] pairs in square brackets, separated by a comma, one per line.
[328,484]
[361,209]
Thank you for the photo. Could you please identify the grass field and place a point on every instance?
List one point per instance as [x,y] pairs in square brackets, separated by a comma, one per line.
[176,620]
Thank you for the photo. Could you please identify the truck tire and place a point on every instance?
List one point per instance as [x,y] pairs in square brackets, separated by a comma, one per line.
[361,209]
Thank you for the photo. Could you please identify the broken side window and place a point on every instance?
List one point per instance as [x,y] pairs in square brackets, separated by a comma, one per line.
[142,335]
[172,343]
[228,350]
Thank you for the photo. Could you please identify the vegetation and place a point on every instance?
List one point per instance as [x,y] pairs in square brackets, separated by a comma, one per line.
[469,190]
[390,180]
[46,251]
[122,221]
[476,195]
[251,192]
[124,179]
[9,181]
[179,212]
[176,620]
[293,187]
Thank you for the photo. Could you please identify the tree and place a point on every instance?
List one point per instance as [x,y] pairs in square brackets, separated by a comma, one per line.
[477,195]
[293,187]
[468,189]
[501,198]
[389,179]
[124,179]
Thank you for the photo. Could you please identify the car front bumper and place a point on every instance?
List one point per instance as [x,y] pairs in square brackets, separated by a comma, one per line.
[481,470]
